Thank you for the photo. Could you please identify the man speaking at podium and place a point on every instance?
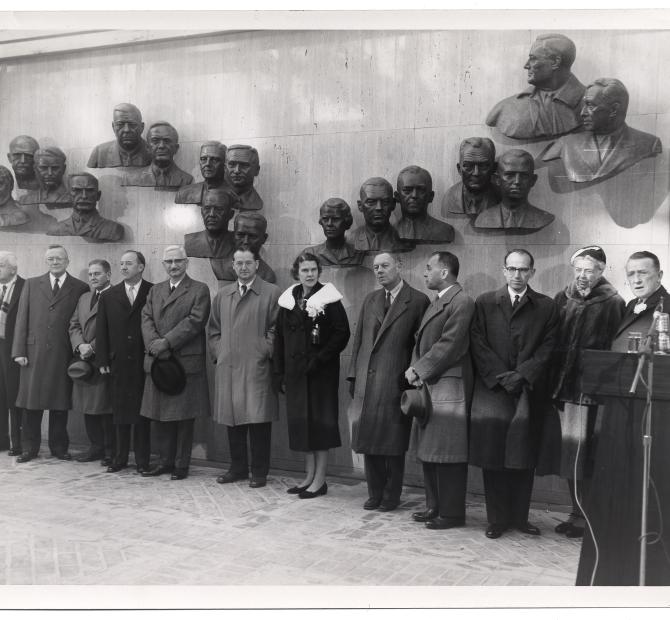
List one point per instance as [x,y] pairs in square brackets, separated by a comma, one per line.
[615,502]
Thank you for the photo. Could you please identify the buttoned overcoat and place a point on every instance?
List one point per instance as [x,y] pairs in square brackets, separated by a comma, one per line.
[441,358]
[240,335]
[92,396]
[180,317]
[120,346]
[505,428]
[41,335]
[380,355]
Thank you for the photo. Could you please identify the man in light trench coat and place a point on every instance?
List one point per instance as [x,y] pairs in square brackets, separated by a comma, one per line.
[382,350]
[241,334]
[441,360]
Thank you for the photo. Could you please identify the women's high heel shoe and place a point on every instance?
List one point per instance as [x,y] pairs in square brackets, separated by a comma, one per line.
[310,494]
[296,490]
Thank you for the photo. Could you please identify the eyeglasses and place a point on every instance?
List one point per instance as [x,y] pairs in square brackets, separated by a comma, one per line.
[522,270]
[174,261]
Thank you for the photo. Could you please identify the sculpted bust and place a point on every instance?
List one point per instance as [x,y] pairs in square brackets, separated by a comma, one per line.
[10,213]
[163,174]
[242,167]
[85,220]
[213,170]
[608,145]
[216,241]
[515,176]
[50,164]
[415,193]
[129,149]
[475,192]
[250,233]
[335,219]
[22,158]
[550,106]
[377,234]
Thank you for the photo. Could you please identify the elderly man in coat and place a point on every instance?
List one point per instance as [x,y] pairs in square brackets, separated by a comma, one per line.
[241,334]
[381,352]
[513,336]
[173,324]
[91,396]
[441,361]
[42,348]
[120,352]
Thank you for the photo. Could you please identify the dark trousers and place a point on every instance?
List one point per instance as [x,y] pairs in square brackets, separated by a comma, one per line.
[141,434]
[175,440]
[31,431]
[384,474]
[10,425]
[100,431]
[260,436]
[582,488]
[508,494]
[445,485]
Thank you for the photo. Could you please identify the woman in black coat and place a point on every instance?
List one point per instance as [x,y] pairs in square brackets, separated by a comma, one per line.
[312,331]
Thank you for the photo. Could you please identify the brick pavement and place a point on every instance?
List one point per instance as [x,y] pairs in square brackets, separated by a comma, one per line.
[72,523]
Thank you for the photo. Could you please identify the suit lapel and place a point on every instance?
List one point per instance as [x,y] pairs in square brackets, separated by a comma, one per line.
[397,308]
[18,287]
[630,317]
[64,290]
[504,303]
[437,305]
[141,296]
[182,289]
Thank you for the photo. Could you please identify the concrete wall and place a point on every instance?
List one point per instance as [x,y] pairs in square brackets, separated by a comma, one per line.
[326,110]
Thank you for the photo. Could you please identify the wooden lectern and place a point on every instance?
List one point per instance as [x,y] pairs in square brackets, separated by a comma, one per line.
[614,503]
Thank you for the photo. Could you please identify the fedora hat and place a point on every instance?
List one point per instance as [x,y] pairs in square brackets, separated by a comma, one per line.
[80,370]
[416,403]
[168,375]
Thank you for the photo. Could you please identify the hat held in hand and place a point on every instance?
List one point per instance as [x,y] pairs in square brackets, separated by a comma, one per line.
[80,370]
[416,403]
[168,375]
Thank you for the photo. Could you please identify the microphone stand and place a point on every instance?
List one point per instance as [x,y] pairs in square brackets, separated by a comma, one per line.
[646,353]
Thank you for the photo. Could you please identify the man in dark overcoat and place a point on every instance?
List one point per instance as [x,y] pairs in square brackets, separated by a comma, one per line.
[91,396]
[512,338]
[11,285]
[173,324]
[41,347]
[381,352]
[441,360]
[120,351]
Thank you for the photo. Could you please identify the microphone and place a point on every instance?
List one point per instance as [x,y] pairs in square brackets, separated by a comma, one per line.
[648,347]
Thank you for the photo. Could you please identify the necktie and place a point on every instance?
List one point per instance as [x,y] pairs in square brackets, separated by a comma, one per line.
[94,299]
[172,288]
[387,302]
[516,301]
[4,292]
[131,295]
[4,306]
[243,290]
[56,288]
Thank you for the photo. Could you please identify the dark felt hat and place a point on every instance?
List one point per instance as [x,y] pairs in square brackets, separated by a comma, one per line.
[168,375]
[416,403]
[80,370]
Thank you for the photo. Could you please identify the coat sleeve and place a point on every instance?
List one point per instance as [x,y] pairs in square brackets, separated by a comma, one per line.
[487,361]
[149,330]
[351,375]
[101,334]
[278,354]
[339,333]
[214,328]
[452,344]
[19,344]
[194,323]
[271,320]
[532,368]
[75,329]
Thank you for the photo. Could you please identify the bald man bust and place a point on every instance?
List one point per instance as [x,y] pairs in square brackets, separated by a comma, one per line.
[129,149]
[22,158]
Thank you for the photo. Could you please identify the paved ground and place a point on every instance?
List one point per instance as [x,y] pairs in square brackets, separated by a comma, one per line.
[71,523]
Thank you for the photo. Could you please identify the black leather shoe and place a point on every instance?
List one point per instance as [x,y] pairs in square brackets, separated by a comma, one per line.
[231,476]
[296,490]
[372,503]
[159,470]
[106,462]
[387,506]
[575,531]
[322,490]
[178,474]
[494,531]
[25,457]
[424,515]
[444,523]
[563,527]
[529,528]
[257,483]
[87,457]
[65,456]
[112,469]
[13,452]
[140,469]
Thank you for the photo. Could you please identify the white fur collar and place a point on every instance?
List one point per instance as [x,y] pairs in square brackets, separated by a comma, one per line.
[315,305]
